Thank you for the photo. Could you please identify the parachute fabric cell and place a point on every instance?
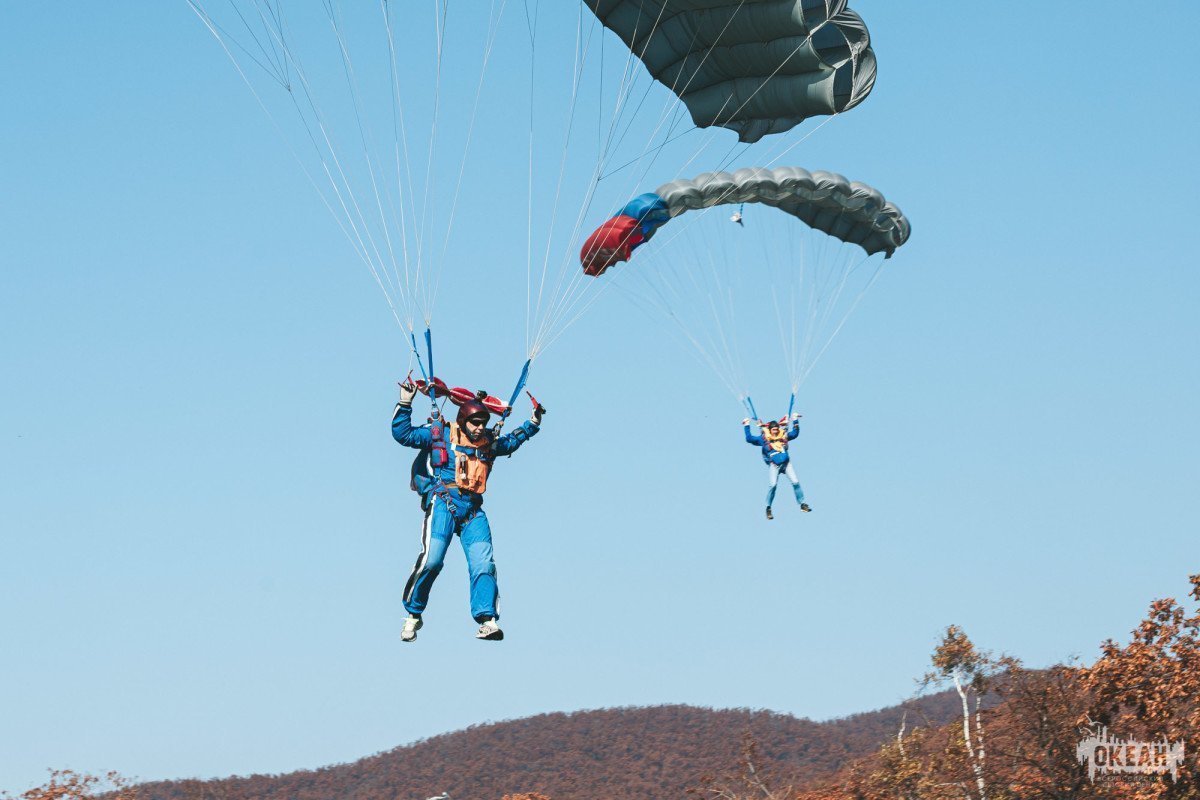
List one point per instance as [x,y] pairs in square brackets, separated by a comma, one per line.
[757,67]
[807,264]
[611,243]
[850,211]
[650,212]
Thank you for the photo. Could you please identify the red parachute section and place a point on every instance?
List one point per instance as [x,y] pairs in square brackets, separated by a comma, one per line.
[611,243]
[459,395]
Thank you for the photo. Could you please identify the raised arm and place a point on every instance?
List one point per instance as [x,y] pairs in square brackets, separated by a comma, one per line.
[751,438]
[402,427]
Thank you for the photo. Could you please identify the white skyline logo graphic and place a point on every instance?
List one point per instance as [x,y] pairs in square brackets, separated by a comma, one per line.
[1114,755]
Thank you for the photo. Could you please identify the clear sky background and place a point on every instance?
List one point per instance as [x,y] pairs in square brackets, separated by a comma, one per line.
[206,524]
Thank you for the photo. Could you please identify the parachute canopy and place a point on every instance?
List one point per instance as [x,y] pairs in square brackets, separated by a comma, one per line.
[757,67]
[850,211]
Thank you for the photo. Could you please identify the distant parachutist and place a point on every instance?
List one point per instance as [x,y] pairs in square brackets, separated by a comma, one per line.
[773,438]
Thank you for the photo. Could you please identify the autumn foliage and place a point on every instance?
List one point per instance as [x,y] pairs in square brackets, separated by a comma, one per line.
[68,785]
[984,727]
[1018,729]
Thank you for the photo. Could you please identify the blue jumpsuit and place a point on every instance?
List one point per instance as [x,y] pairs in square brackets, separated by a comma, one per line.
[778,461]
[450,511]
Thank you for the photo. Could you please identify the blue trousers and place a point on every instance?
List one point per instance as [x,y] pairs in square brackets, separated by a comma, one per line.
[440,526]
[773,481]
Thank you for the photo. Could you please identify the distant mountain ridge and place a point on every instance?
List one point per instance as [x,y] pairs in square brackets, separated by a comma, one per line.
[644,753]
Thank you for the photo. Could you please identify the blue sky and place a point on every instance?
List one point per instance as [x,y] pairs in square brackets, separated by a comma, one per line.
[206,525]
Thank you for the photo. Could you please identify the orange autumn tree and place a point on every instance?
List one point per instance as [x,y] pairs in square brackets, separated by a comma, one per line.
[1150,689]
[1019,742]
[68,785]
[745,781]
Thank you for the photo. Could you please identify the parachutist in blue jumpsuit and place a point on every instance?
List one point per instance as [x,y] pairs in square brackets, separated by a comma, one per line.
[773,439]
[450,473]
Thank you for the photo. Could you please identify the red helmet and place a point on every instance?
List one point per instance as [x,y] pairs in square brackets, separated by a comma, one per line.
[472,409]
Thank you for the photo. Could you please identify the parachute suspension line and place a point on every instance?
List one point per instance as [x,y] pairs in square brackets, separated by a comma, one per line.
[724,162]
[604,145]
[349,230]
[277,71]
[368,149]
[400,144]
[657,150]
[629,126]
[530,26]
[625,89]
[788,344]
[724,319]
[674,108]
[674,104]
[729,156]
[361,229]
[750,407]
[681,330]
[813,297]
[441,9]
[494,17]
[839,272]
[566,298]
[846,316]
[766,80]
[714,347]
[797,294]
[802,139]
[274,56]
[791,403]
[824,295]
[341,185]
[548,335]
[562,328]
[794,281]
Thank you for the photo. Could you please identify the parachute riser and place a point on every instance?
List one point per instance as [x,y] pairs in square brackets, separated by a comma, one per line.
[434,412]
[749,404]
[521,380]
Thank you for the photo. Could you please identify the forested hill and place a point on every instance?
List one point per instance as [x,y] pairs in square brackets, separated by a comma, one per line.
[612,754]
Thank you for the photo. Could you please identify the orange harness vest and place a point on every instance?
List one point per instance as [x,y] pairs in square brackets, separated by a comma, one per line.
[472,460]
[778,441]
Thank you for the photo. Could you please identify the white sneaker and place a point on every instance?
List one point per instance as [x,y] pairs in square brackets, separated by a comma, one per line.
[411,626]
[489,630]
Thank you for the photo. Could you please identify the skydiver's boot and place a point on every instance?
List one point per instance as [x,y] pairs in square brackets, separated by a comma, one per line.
[489,631]
[805,507]
[769,514]
[412,624]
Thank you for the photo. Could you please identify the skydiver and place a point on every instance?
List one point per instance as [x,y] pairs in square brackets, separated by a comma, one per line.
[773,440]
[451,473]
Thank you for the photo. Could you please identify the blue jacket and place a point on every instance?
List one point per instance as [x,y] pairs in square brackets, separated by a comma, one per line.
[770,456]
[420,438]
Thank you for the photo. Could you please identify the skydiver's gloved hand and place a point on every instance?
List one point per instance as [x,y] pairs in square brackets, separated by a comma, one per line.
[536,416]
[796,417]
[746,422]
[408,391]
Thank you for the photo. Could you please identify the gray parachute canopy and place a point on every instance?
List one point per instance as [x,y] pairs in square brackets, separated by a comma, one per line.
[756,67]
[850,211]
